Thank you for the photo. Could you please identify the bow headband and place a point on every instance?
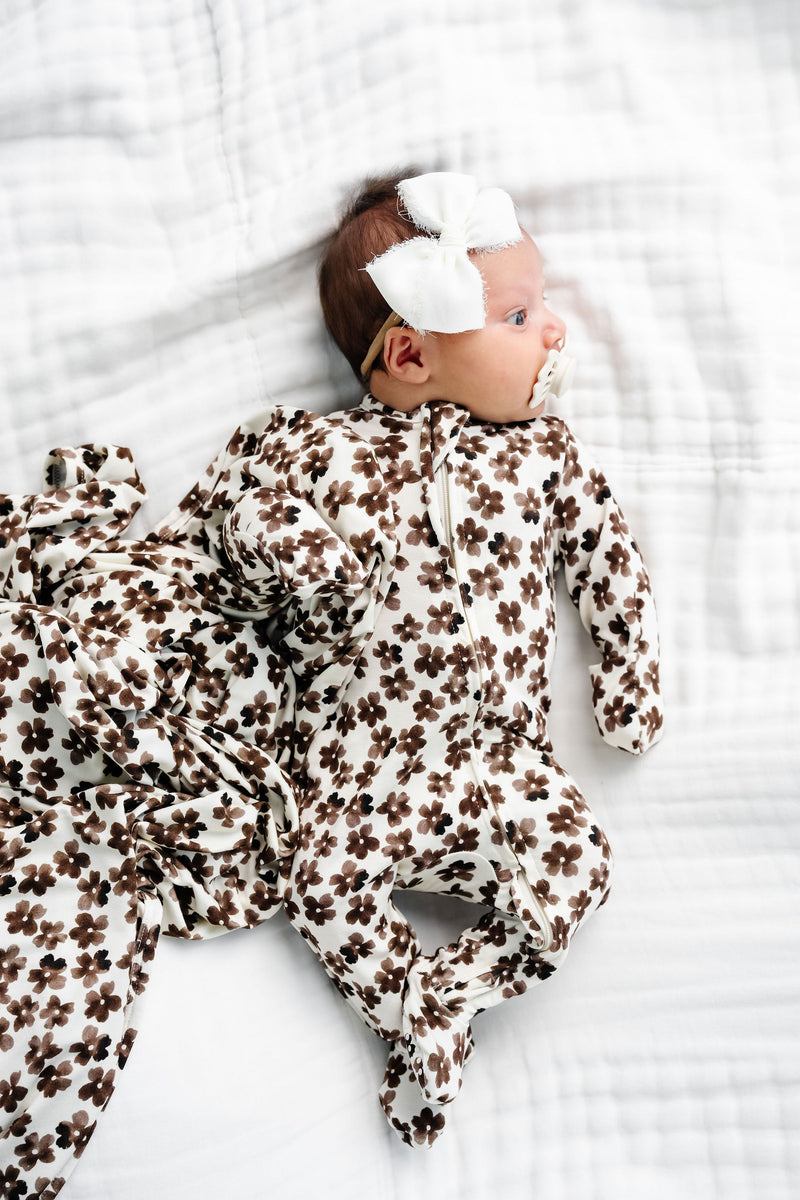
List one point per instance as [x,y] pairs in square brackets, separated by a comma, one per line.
[430,282]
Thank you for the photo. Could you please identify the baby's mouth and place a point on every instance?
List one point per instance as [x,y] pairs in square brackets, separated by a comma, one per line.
[554,378]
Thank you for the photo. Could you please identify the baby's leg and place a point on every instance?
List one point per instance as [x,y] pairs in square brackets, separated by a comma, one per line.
[565,872]
[422,1004]
[498,957]
[555,870]
[564,854]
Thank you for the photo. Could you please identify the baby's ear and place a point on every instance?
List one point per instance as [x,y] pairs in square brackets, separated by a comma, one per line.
[406,354]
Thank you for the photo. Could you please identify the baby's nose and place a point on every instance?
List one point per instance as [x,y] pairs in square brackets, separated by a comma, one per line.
[554,334]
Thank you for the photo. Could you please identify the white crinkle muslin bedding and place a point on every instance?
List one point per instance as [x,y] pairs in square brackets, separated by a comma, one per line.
[167,173]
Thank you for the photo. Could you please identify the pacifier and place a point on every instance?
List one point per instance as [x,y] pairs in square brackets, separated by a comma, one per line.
[554,378]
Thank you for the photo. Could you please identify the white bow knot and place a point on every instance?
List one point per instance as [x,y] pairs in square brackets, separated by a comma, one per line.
[430,281]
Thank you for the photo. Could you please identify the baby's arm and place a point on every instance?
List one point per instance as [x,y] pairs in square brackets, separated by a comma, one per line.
[609,585]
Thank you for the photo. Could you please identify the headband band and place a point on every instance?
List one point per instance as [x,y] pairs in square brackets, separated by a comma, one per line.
[376,345]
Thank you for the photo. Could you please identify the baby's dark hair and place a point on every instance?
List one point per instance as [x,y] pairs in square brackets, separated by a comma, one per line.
[352,306]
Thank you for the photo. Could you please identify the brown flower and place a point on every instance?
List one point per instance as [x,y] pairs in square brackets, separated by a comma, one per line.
[101,1003]
[99,1087]
[562,859]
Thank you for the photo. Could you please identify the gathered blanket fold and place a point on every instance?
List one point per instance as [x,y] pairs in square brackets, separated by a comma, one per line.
[153,694]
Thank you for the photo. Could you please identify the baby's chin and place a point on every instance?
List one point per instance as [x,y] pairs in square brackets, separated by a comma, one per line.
[519,415]
[507,414]
[526,412]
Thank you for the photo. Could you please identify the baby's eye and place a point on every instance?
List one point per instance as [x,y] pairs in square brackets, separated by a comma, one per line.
[518,318]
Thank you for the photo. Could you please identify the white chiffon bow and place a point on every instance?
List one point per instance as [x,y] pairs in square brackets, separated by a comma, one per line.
[430,281]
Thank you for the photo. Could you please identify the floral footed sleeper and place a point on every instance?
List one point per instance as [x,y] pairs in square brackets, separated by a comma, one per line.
[436,772]
[323,678]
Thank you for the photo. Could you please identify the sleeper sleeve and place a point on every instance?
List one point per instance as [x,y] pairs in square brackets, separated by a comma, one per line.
[609,585]
[310,546]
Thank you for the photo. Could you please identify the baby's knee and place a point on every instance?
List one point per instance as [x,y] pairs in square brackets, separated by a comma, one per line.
[577,881]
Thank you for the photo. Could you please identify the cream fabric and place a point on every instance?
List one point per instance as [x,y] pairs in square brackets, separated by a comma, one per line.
[430,281]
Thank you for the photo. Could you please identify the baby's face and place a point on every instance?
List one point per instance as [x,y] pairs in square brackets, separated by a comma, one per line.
[491,371]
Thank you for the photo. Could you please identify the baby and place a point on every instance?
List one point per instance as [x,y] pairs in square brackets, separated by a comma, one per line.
[436,771]
[323,679]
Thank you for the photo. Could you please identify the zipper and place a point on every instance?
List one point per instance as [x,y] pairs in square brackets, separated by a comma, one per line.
[442,482]
[441,478]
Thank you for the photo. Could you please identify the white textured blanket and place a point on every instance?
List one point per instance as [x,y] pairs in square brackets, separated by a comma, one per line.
[167,170]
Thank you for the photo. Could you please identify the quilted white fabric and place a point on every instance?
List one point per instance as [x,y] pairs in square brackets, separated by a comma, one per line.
[168,169]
